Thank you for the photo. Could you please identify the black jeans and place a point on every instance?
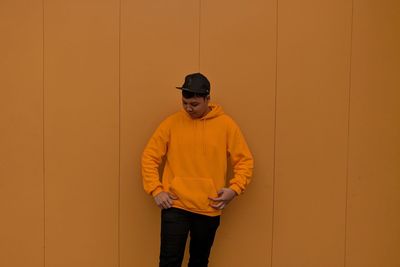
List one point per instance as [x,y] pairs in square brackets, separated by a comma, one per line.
[176,224]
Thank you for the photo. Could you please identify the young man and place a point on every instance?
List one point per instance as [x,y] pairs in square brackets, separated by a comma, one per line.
[196,143]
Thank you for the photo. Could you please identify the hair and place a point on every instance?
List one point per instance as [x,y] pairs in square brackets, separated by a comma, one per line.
[187,94]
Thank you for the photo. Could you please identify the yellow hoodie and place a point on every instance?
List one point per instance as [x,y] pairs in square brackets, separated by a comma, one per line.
[196,153]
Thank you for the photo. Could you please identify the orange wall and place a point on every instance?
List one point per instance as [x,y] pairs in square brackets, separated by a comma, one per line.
[314,86]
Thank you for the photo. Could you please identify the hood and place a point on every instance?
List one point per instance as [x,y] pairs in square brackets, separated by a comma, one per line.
[216,110]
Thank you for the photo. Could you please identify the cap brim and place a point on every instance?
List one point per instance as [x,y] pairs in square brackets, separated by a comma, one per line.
[191,91]
[185,89]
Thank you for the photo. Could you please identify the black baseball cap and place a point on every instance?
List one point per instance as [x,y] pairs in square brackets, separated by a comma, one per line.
[196,83]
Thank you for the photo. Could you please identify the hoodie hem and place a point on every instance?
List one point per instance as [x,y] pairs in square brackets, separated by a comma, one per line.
[202,212]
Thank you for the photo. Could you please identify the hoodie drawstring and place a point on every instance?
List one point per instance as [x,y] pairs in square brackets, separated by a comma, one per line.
[203,137]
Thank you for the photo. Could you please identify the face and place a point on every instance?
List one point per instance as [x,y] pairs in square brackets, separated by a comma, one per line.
[196,107]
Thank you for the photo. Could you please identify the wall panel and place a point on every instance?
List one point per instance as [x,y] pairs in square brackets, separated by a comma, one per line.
[82,132]
[21,134]
[373,232]
[312,126]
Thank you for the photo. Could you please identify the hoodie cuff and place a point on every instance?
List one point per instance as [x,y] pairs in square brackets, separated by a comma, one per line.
[156,191]
[236,188]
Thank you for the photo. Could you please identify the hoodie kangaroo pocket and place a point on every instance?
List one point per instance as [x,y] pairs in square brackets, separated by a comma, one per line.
[193,193]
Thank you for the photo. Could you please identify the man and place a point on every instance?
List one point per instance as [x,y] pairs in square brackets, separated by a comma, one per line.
[195,143]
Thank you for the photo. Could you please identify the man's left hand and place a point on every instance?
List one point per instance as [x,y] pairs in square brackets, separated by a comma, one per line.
[225,195]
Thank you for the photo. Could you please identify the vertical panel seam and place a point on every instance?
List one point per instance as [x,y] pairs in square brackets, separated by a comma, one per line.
[199,35]
[275,123]
[43,138]
[119,135]
[348,134]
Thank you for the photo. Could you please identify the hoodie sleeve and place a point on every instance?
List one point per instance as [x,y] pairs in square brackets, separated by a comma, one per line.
[152,156]
[241,159]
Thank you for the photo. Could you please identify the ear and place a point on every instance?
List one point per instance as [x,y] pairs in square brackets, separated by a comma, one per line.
[208,98]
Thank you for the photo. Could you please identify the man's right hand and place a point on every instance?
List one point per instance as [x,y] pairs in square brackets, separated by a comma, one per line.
[164,200]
